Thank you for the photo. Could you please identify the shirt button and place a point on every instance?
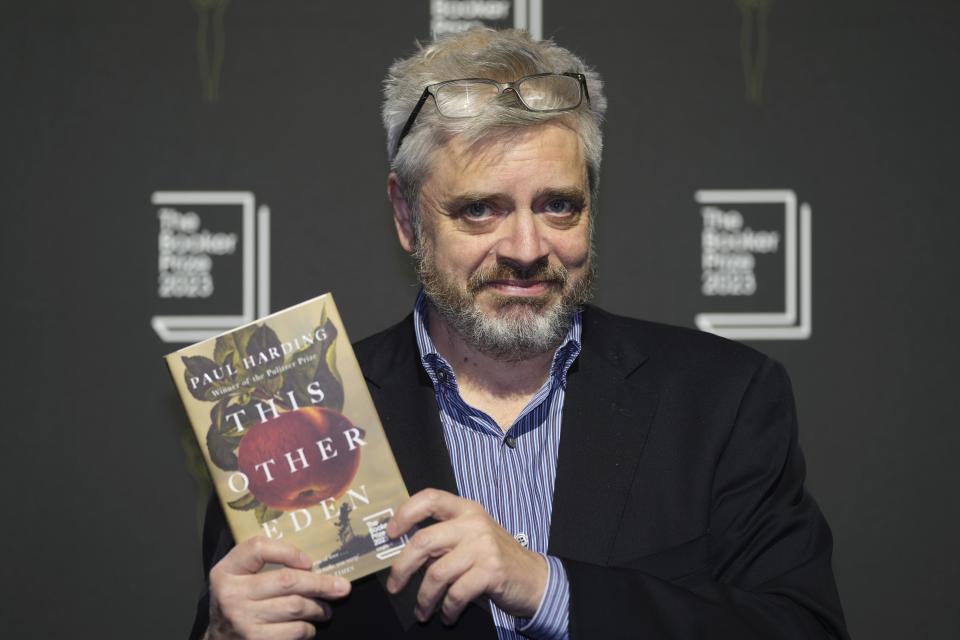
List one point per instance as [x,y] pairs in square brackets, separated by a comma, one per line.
[510,441]
[522,539]
[442,375]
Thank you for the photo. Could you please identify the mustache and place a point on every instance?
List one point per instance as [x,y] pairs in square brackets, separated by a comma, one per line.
[537,272]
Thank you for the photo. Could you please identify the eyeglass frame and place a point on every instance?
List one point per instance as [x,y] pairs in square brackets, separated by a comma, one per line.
[501,87]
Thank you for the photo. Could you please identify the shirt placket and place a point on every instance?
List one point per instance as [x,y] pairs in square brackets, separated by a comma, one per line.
[510,495]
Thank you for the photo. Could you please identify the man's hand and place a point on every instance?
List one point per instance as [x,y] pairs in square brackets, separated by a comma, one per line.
[468,554]
[274,605]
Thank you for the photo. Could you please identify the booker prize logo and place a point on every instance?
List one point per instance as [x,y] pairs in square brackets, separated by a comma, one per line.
[755,264]
[213,263]
[453,16]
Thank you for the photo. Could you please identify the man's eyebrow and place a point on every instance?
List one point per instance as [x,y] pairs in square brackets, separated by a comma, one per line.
[458,202]
[576,194]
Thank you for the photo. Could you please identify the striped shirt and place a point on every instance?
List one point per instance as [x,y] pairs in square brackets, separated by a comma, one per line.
[511,474]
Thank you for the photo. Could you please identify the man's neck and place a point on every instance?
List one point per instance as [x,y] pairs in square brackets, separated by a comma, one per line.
[479,372]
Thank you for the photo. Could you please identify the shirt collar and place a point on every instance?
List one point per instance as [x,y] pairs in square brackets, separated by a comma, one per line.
[440,371]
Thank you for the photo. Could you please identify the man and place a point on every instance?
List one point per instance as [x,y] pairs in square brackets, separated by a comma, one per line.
[574,474]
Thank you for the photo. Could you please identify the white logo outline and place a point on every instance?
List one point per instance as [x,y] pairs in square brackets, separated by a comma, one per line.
[798,244]
[527,14]
[193,328]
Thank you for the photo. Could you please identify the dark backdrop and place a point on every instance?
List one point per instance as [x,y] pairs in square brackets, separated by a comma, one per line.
[852,106]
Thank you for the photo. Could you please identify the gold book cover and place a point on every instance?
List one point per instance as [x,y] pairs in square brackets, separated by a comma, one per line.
[294,444]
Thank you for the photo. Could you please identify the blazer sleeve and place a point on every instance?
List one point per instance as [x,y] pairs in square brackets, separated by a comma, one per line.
[217,542]
[769,571]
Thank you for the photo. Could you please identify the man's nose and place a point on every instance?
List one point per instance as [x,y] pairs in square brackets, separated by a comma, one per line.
[523,242]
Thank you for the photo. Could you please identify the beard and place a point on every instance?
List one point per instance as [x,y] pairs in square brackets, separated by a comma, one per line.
[520,327]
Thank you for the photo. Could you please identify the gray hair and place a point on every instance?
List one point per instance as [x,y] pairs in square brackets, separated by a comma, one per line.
[503,56]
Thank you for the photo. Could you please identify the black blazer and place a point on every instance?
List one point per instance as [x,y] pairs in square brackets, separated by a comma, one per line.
[679,506]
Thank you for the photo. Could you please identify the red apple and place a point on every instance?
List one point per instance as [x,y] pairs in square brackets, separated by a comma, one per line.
[280,486]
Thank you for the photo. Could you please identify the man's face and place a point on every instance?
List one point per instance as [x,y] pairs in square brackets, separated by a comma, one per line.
[505,249]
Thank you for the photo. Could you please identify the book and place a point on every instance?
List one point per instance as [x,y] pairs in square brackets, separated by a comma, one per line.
[295,447]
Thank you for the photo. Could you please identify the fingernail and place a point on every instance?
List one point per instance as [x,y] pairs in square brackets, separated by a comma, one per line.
[305,559]
[391,585]
[391,527]
[340,585]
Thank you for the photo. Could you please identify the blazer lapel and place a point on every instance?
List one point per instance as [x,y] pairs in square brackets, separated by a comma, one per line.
[405,400]
[606,418]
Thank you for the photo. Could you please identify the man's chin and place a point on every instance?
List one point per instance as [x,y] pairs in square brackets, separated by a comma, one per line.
[507,327]
[500,302]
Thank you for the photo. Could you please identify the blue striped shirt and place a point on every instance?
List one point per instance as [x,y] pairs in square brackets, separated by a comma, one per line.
[511,474]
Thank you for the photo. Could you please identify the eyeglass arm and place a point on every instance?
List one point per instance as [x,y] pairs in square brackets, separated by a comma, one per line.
[583,83]
[413,116]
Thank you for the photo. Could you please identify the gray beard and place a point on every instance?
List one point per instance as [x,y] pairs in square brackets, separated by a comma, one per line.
[521,328]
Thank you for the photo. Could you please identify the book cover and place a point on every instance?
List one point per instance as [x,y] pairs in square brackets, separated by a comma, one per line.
[293,442]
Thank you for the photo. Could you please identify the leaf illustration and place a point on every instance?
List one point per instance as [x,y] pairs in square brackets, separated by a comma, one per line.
[331,355]
[264,513]
[328,376]
[262,340]
[272,384]
[233,349]
[221,450]
[200,377]
[318,364]
[223,436]
[244,503]
[233,344]
[231,428]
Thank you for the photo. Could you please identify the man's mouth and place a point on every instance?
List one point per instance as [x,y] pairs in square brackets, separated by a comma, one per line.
[536,281]
[521,287]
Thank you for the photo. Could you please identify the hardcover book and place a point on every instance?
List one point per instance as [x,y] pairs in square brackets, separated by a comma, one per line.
[293,442]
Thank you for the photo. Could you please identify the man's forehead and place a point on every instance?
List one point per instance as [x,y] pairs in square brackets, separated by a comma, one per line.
[549,152]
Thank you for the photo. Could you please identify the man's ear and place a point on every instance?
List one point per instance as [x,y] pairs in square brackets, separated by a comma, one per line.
[402,215]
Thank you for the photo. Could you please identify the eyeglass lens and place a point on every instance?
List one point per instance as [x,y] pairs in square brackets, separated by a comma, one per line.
[465,98]
[548,93]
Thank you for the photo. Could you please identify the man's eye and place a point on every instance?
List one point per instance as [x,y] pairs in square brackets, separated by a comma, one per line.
[477,210]
[560,206]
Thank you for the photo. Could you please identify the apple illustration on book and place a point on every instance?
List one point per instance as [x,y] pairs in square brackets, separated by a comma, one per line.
[300,457]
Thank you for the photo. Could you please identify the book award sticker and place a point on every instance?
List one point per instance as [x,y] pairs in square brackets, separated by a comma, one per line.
[386,547]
